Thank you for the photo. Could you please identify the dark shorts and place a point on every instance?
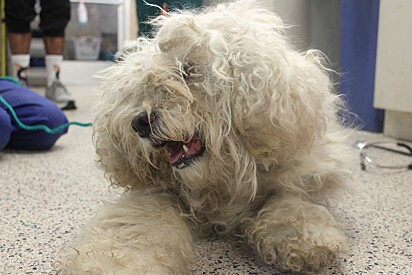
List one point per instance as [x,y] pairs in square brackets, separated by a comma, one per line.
[54,16]
[31,109]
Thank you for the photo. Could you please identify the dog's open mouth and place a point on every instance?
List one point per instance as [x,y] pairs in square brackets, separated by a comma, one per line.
[183,154]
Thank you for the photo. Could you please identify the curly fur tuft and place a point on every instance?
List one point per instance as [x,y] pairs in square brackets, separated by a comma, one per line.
[267,118]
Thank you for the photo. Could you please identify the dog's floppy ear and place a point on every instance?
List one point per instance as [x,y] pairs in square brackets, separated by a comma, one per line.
[281,99]
[118,147]
[179,36]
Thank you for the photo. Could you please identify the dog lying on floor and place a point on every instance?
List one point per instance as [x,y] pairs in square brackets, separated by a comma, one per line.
[216,126]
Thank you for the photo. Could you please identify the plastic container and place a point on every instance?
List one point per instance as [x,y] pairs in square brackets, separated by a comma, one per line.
[82,13]
[87,47]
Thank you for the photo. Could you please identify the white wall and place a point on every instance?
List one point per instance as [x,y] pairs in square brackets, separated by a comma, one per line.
[393,79]
[297,14]
[314,24]
[394,59]
[293,12]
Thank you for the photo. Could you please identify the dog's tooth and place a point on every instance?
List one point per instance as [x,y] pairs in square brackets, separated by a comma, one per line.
[181,165]
[185,148]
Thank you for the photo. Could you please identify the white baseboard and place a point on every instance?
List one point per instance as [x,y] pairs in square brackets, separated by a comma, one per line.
[398,125]
[73,72]
[81,72]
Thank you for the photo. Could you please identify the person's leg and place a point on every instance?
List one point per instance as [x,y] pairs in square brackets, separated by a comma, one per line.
[54,17]
[19,14]
[19,42]
[54,45]
[20,66]
[31,109]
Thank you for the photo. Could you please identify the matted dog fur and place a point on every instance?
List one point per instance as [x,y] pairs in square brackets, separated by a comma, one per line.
[216,126]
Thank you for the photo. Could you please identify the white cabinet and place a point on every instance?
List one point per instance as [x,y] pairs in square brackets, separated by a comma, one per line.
[108,24]
[108,28]
[393,81]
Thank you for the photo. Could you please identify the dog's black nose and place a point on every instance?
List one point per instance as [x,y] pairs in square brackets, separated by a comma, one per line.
[141,124]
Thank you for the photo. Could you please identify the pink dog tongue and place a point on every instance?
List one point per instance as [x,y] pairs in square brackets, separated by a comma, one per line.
[176,152]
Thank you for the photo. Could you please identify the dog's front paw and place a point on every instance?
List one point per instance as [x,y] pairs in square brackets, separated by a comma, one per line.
[295,235]
[297,255]
[96,260]
[142,233]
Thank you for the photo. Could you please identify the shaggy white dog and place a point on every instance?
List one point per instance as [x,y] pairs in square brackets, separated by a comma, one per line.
[216,126]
